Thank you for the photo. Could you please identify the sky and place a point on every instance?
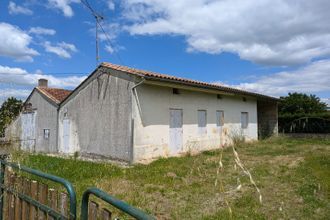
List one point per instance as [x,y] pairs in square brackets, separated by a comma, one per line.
[271,47]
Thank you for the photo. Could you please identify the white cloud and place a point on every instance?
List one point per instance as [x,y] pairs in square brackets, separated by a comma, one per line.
[111,4]
[326,101]
[16,81]
[62,49]
[109,49]
[42,31]
[312,78]
[63,5]
[15,43]
[14,9]
[18,76]
[10,92]
[269,32]
[112,31]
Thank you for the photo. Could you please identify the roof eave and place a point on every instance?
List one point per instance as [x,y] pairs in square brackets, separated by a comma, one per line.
[215,87]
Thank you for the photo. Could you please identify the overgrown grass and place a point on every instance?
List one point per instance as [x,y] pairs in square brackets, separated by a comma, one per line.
[292,174]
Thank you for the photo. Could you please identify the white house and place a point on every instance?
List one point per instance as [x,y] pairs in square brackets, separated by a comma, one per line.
[134,115]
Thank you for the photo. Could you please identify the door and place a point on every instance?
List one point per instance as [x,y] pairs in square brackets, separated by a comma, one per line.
[220,120]
[176,131]
[66,135]
[28,135]
[202,122]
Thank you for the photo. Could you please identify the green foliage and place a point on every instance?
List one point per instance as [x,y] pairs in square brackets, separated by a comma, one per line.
[302,113]
[305,123]
[299,103]
[8,112]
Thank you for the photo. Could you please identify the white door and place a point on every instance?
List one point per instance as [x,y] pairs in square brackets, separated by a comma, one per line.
[28,131]
[66,136]
[220,120]
[175,131]
[202,122]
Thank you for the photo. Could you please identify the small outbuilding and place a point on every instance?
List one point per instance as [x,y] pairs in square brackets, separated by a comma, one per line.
[35,129]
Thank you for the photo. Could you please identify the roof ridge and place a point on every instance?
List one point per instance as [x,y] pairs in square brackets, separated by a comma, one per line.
[148,71]
[56,97]
[53,88]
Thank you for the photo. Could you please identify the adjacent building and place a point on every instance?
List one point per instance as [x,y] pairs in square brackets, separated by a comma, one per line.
[35,129]
[133,115]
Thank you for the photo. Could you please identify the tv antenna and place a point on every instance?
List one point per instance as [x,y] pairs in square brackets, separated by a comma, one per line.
[98,19]
[98,26]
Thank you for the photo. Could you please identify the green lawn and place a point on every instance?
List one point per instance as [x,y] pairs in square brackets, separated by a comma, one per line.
[293,176]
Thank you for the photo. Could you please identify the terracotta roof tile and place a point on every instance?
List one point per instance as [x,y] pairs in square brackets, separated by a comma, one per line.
[57,95]
[154,75]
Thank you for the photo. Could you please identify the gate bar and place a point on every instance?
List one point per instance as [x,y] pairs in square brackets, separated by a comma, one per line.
[123,206]
[65,183]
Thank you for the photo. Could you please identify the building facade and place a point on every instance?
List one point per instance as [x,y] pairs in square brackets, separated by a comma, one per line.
[133,115]
[36,127]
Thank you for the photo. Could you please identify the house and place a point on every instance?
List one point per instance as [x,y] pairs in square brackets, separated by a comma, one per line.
[133,115]
[35,129]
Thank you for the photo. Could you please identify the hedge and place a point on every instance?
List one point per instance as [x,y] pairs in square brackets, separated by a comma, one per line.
[304,123]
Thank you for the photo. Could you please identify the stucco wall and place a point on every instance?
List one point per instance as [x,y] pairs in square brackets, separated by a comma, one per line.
[45,119]
[151,120]
[13,132]
[99,114]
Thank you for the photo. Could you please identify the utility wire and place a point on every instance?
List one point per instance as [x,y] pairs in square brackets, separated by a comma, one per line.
[109,42]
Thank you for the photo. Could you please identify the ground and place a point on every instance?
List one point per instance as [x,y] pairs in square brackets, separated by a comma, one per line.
[293,176]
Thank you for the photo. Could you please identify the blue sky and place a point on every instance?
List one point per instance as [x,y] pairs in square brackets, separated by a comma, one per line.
[271,47]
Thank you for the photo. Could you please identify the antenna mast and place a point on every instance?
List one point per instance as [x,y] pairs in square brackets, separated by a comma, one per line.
[98,19]
[98,24]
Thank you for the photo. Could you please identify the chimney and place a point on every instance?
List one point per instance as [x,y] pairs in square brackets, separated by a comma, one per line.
[43,83]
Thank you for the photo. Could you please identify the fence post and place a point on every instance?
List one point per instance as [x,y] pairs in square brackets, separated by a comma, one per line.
[2,182]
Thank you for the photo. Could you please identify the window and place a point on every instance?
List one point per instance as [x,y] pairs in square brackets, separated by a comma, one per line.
[244,119]
[220,118]
[46,134]
[176,91]
[202,122]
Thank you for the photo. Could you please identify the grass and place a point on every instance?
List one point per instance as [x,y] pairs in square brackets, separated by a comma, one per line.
[292,174]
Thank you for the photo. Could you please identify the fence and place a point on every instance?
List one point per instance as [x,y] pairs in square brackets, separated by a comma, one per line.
[304,123]
[24,198]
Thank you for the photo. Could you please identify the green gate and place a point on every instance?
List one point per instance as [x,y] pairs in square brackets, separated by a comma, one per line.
[28,199]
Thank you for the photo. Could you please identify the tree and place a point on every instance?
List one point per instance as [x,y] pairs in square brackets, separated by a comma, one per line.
[299,103]
[8,112]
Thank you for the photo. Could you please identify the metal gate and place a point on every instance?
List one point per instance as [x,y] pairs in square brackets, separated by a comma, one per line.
[24,198]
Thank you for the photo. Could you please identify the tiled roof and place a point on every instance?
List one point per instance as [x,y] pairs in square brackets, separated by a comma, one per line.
[155,76]
[57,95]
